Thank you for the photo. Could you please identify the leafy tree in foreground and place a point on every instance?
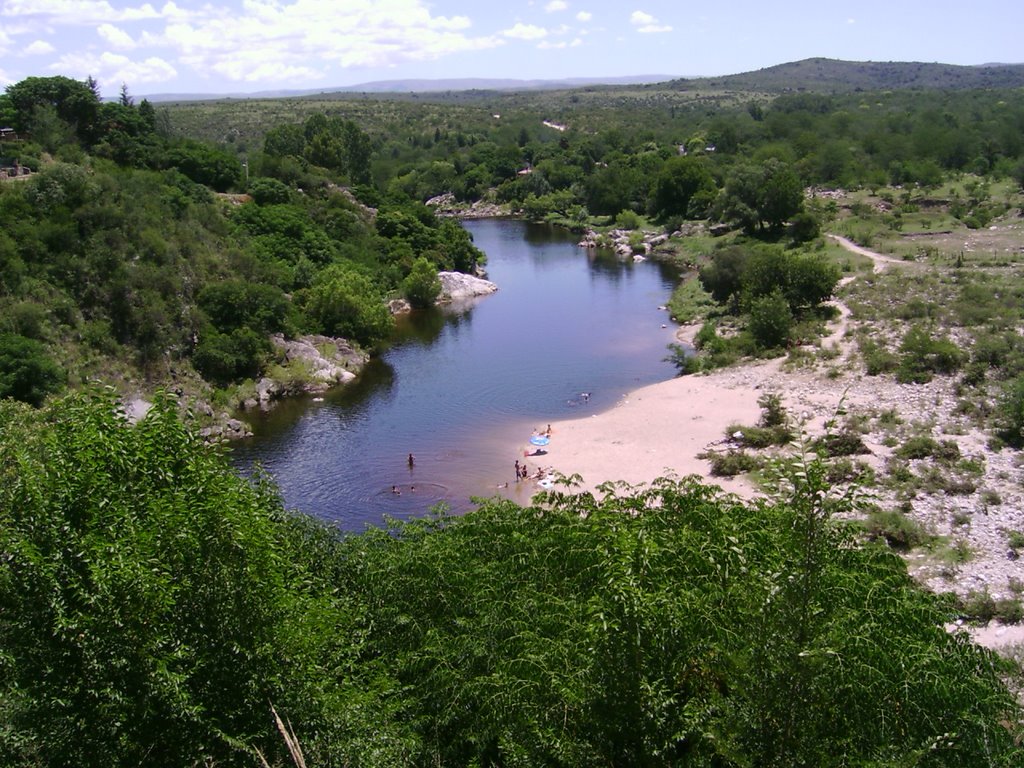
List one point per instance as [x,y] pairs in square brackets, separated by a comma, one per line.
[152,601]
[154,605]
[671,626]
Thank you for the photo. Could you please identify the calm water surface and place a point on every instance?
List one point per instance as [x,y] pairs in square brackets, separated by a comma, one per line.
[462,389]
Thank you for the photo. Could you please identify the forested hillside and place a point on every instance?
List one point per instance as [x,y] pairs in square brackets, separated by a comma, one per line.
[123,257]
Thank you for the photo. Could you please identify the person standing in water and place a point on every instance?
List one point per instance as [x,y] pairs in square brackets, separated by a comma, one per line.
[412,461]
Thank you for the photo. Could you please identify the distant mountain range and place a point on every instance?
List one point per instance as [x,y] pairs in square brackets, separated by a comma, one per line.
[835,76]
[426,86]
[819,75]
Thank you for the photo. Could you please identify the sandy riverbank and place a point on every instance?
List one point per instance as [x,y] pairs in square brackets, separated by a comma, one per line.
[655,431]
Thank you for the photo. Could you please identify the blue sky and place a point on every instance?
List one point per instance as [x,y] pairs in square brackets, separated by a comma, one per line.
[244,46]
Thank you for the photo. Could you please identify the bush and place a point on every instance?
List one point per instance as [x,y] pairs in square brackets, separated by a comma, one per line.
[27,372]
[730,463]
[422,285]
[226,358]
[924,447]
[877,359]
[921,356]
[759,437]
[628,220]
[804,227]
[770,321]
[899,531]
[773,414]
[1011,413]
[844,443]
[267,191]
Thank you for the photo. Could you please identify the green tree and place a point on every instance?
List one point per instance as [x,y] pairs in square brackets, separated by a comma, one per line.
[678,182]
[154,602]
[27,372]
[760,196]
[421,286]
[344,302]
[771,320]
[75,103]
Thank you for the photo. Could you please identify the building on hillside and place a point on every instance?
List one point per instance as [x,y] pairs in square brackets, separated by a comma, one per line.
[8,134]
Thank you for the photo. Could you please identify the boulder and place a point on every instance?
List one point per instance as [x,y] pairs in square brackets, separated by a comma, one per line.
[457,286]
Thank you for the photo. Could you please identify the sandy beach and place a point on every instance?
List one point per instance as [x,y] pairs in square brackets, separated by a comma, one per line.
[655,431]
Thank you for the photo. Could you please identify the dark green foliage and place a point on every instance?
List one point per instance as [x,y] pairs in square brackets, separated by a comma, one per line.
[234,304]
[269,191]
[804,227]
[771,321]
[805,280]
[899,531]
[842,443]
[27,372]
[759,197]
[730,463]
[773,413]
[225,358]
[759,437]
[877,359]
[925,447]
[722,276]
[344,302]
[73,102]
[680,180]
[421,286]
[204,165]
[154,603]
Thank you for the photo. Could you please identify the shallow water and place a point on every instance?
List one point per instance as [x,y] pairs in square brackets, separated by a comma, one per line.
[462,389]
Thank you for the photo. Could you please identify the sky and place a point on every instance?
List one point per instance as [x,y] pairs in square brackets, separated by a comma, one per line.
[247,46]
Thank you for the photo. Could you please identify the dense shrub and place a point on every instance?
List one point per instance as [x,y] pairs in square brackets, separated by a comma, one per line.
[771,321]
[27,372]
[156,605]
[421,286]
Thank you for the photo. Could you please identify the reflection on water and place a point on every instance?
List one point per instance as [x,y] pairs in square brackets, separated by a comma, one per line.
[462,389]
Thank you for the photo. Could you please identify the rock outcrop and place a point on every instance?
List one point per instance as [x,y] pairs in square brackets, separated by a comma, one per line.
[458,287]
[316,364]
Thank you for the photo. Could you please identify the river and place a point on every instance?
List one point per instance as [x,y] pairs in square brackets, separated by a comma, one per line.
[462,389]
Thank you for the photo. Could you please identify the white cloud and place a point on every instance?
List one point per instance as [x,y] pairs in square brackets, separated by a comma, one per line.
[276,42]
[584,16]
[116,37]
[556,5]
[39,47]
[525,32]
[647,24]
[851,21]
[75,12]
[5,80]
[112,69]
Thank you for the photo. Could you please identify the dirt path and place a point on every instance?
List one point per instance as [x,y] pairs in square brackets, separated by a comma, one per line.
[881,261]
